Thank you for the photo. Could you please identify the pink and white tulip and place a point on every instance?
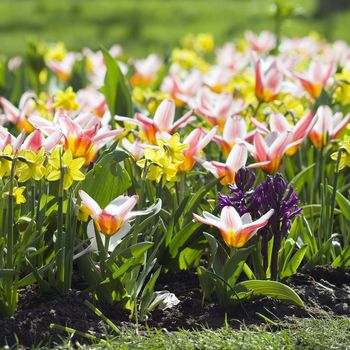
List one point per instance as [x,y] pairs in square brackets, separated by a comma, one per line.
[316,77]
[235,230]
[327,126]
[227,171]
[196,140]
[163,121]
[279,124]
[268,80]
[115,217]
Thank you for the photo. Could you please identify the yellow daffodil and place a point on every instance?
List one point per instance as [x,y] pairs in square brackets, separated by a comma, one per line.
[18,194]
[71,168]
[172,149]
[66,100]
[164,161]
[33,166]
[57,52]
[342,92]
[5,161]
[188,59]
[345,155]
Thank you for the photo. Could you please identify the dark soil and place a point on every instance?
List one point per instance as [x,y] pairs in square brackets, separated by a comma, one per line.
[325,291]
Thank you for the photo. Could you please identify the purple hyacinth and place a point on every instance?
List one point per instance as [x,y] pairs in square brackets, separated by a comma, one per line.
[240,192]
[273,193]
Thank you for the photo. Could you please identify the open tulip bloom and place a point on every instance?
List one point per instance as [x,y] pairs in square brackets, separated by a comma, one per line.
[279,124]
[268,81]
[316,77]
[235,160]
[113,221]
[327,126]
[163,121]
[235,230]
[269,151]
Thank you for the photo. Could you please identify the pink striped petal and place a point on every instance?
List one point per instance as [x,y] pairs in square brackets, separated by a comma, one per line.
[230,219]
[279,123]
[69,127]
[257,224]
[164,116]
[212,221]
[261,150]
[34,141]
[237,157]
[183,121]
[90,203]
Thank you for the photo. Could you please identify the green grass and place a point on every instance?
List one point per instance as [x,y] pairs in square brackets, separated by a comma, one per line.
[143,26]
[313,334]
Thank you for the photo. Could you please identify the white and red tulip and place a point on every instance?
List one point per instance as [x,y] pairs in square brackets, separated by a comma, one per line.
[327,126]
[235,230]
[163,121]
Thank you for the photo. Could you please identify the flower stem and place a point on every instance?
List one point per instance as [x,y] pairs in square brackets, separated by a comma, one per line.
[334,193]
[60,247]
[274,258]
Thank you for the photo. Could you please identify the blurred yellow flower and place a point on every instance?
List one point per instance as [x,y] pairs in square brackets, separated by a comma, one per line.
[342,92]
[188,59]
[56,52]
[66,100]
[345,155]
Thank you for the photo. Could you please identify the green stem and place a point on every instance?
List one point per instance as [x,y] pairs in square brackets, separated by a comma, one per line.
[10,287]
[257,108]
[60,247]
[182,187]
[274,258]
[334,193]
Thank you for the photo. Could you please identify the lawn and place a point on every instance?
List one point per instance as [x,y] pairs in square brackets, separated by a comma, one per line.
[154,25]
[304,334]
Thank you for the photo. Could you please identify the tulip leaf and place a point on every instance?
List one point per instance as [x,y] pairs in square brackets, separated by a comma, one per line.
[234,265]
[116,92]
[343,203]
[107,180]
[182,237]
[294,263]
[343,259]
[270,289]
[299,180]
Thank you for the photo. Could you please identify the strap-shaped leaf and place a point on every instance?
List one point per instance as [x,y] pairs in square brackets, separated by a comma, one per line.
[117,94]
[270,289]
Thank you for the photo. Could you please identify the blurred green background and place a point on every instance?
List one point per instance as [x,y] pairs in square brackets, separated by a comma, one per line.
[143,26]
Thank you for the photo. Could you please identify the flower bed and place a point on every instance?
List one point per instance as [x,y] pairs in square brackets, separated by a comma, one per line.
[170,191]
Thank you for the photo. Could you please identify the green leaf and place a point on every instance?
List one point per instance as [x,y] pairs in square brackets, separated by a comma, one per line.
[234,265]
[198,196]
[294,263]
[270,289]
[299,180]
[344,204]
[117,94]
[190,256]
[107,180]
[148,295]
[181,237]
[206,281]
[343,259]
[311,210]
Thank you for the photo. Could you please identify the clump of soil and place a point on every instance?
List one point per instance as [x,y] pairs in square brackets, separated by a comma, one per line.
[324,291]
